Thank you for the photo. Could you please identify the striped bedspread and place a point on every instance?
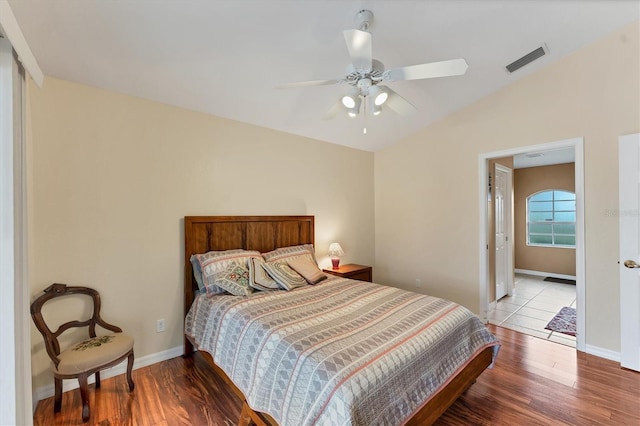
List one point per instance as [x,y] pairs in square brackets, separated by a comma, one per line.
[342,352]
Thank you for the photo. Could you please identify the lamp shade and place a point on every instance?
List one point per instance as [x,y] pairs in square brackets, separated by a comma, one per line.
[335,250]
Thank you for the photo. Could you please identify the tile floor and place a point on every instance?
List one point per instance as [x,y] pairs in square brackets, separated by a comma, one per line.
[531,307]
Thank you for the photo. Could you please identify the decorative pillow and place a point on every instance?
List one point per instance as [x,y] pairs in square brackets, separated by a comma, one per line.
[286,277]
[234,279]
[284,253]
[258,277]
[213,263]
[195,262]
[305,266]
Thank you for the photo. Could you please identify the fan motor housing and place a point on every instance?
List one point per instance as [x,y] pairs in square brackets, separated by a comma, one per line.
[364,19]
[353,76]
[364,84]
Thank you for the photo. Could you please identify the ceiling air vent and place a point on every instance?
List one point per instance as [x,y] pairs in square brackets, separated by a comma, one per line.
[527,59]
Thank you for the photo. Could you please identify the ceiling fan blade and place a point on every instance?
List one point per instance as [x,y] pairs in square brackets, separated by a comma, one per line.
[332,112]
[430,70]
[359,45]
[309,83]
[398,104]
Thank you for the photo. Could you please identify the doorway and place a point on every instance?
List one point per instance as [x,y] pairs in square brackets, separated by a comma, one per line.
[487,298]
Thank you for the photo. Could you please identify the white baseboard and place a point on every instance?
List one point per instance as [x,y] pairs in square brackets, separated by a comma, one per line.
[545,274]
[603,353]
[48,391]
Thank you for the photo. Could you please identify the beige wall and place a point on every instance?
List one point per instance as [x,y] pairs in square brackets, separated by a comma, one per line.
[112,176]
[528,181]
[426,190]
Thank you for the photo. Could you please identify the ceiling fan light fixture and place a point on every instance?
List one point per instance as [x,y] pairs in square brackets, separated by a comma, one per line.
[372,107]
[365,76]
[351,99]
[381,98]
[348,101]
[355,108]
[379,95]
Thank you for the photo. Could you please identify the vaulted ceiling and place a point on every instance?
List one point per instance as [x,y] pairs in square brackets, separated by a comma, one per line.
[227,57]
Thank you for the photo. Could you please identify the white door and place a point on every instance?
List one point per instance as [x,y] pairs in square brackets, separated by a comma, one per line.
[502,216]
[629,187]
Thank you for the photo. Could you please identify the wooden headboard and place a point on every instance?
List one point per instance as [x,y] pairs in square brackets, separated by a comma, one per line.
[262,233]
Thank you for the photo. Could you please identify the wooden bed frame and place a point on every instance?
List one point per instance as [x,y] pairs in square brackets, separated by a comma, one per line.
[266,233]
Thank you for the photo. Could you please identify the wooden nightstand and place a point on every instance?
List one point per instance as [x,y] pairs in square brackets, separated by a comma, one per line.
[353,271]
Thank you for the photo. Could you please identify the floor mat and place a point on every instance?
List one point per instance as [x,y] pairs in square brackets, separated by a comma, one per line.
[560,280]
[564,322]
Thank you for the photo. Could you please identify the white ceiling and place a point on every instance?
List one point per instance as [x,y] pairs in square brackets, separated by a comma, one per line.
[544,158]
[226,57]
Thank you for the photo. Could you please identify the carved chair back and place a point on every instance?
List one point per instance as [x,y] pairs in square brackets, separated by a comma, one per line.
[51,337]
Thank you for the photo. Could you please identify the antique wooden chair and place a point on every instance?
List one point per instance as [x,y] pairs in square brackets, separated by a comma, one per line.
[87,357]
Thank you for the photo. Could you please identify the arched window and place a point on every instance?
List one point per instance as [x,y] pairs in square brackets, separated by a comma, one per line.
[551,219]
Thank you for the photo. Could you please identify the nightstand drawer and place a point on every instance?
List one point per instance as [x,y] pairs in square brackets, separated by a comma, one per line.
[362,276]
[353,271]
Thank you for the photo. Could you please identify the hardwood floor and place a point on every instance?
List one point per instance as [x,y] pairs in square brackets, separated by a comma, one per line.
[534,382]
[537,382]
[179,391]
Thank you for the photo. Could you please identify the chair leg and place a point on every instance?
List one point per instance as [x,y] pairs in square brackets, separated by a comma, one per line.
[57,402]
[129,370]
[97,379]
[84,396]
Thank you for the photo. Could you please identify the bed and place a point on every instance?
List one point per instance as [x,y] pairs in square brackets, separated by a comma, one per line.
[307,366]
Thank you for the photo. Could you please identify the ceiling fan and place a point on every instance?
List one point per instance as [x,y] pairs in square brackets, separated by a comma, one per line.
[366,74]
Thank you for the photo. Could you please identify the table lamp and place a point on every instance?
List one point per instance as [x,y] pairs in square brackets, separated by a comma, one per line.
[335,251]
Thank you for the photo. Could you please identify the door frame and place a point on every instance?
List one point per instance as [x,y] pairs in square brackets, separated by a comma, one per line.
[17,407]
[483,159]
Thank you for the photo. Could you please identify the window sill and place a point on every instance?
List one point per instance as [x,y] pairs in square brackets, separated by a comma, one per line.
[551,246]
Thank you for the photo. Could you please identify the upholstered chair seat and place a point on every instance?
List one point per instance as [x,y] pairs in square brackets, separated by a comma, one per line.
[93,353]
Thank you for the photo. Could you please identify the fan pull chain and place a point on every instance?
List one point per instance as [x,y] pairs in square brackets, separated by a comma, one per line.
[364,115]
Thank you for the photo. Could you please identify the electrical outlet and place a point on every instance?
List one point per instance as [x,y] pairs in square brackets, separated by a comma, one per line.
[418,283]
[160,326]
